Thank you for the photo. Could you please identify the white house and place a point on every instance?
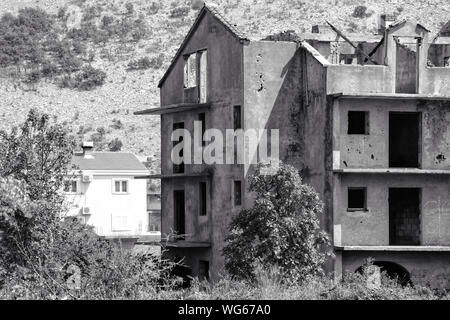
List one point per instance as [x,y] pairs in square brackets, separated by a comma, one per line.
[108,190]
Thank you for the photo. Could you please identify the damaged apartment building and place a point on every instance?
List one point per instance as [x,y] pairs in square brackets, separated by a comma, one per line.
[364,118]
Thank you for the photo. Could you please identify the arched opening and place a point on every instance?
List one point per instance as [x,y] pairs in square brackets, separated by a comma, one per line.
[393,271]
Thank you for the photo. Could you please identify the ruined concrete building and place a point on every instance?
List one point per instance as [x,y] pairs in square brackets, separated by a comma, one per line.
[365,119]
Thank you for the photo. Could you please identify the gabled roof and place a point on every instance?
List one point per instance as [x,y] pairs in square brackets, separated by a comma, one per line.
[445,30]
[108,161]
[400,23]
[206,9]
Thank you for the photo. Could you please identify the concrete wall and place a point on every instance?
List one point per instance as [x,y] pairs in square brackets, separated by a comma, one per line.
[437,53]
[224,53]
[359,79]
[371,227]
[372,150]
[285,90]
[225,90]
[406,70]
[98,196]
[426,268]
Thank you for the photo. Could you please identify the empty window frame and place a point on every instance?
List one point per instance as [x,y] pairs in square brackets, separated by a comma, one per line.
[178,168]
[120,186]
[203,270]
[179,214]
[237,191]
[357,199]
[190,71]
[237,117]
[195,76]
[202,119]
[203,199]
[358,122]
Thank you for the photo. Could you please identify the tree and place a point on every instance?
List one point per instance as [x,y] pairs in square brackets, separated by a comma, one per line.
[40,247]
[281,229]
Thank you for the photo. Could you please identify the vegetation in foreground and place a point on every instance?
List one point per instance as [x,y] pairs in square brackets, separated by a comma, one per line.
[44,255]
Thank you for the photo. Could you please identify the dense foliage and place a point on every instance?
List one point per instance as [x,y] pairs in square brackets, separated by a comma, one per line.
[43,253]
[281,229]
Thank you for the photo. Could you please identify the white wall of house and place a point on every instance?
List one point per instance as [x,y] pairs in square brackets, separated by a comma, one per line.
[112,214]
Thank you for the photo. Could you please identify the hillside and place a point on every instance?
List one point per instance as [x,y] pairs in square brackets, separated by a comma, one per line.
[111,106]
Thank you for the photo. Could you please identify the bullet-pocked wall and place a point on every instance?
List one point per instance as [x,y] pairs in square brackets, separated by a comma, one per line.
[371,149]
[370,227]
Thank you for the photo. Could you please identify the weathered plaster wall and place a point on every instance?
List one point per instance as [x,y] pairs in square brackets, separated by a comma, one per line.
[435,81]
[224,53]
[437,53]
[224,91]
[371,227]
[285,90]
[359,79]
[426,268]
[405,78]
[372,150]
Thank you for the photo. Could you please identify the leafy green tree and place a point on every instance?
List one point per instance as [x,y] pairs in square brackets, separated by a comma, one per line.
[281,229]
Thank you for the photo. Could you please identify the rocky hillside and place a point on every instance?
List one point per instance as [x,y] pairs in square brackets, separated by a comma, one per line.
[109,108]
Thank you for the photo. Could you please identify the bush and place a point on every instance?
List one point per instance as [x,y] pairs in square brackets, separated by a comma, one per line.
[360,12]
[281,229]
[179,12]
[130,8]
[139,64]
[45,257]
[117,124]
[89,78]
[115,145]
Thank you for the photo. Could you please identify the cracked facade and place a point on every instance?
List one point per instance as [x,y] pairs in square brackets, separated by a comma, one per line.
[370,134]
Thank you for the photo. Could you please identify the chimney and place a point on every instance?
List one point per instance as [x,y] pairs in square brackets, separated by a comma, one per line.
[384,22]
[87,147]
[197,4]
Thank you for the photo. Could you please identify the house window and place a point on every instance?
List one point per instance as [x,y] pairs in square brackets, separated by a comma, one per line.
[178,168]
[203,270]
[358,122]
[71,186]
[119,222]
[121,186]
[237,193]
[357,199]
[202,199]
[237,122]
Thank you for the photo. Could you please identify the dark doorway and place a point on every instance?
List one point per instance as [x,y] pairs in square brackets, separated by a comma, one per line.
[404,216]
[404,139]
[179,220]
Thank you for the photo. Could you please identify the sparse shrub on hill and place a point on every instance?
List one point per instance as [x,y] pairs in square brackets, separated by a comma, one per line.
[117,124]
[139,64]
[89,78]
[130,8]
[281,229]
[360,12]
[179,12]
[115,145]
